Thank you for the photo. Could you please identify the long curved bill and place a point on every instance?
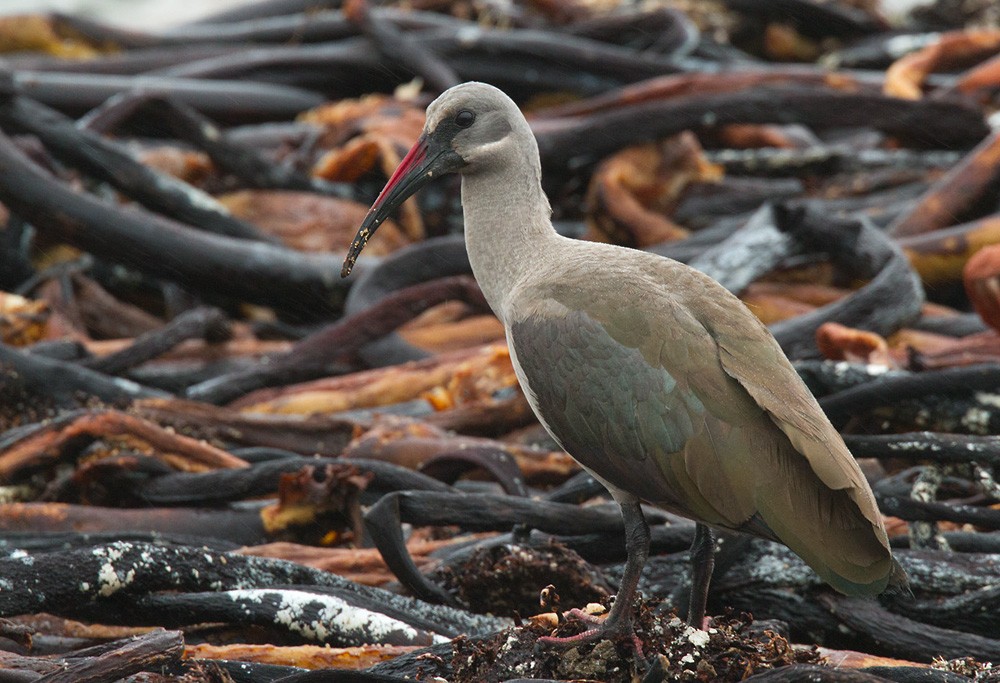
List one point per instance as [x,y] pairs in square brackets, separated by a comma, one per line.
[421,163]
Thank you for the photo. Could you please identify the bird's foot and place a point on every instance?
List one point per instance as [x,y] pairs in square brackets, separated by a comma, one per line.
[607,629]
[706,623]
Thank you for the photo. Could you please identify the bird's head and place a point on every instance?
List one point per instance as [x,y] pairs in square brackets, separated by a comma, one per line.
[468,129]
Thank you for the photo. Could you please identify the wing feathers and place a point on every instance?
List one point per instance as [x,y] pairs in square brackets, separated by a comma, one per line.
[668,401]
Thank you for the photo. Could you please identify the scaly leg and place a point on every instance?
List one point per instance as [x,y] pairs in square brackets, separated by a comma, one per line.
[619,620]
[702,564]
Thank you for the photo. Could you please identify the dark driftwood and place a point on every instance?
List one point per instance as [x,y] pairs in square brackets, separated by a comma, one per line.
[959,541]
[36,445]
[580,141]
[673,32]
[210,324]
[130,63]
[313,356]
[265,9]
[60,384]
[749,76]
[105,159]
[220,486]
[69,583]
[891,389]
[776,233]
[480,512]
[396,46]
[971,612]
[823,158]
[437,257]
[907,638]
[879,52]
[230,100]
[664,30]
[861,249]
[748,253]
[119,659]
[243,526]
[500,466]
[703,205]
[773,583]
[15,257]
[826,377]
[311,435]
[307,614]
[965,412]
[915,510]
[472,51]
[241,160]
[926,446]
[306,283]
[340,676]
[814,674]
[12,542]
[961,325]
[578,55]
[315,26]
[813,18]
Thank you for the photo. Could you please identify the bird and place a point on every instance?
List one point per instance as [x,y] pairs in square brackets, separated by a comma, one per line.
[657,380]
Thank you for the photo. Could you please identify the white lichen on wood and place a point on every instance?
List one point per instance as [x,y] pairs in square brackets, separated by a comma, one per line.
[322,618]
[111,578]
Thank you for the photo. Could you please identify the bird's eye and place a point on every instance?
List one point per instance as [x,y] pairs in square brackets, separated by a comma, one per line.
[464,118]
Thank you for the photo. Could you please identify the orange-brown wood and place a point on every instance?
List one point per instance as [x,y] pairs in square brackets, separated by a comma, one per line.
[839,342]
[939,256]
[178,450]
[948,201]
[633,193]
[63,517]
[984,77]
[953,50]
[363,565]
[310,222]
[489,364]
[304,656]
[410,443]
[679,85]
[981,276]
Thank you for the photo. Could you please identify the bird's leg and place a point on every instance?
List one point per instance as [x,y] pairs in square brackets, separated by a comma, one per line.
[619,619]
[702,564]
[637,551]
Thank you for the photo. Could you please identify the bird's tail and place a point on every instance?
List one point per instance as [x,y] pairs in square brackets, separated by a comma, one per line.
[899,584]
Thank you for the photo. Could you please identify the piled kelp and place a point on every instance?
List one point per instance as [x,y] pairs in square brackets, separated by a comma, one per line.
[221,462]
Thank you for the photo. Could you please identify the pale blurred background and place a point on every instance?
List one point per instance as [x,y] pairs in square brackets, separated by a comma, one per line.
[148,14]
[153,13]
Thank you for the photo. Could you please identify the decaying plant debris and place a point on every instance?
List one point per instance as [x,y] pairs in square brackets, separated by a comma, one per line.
[221,462]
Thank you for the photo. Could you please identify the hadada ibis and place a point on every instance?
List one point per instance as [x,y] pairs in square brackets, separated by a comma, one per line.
[655,378]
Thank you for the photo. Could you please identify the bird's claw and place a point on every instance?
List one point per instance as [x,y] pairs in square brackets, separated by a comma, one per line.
[607,629]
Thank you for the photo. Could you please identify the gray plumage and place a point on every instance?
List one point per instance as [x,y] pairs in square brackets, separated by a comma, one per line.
[650,374]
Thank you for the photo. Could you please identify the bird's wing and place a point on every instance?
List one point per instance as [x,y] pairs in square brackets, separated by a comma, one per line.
[811,524]
[620,400]
[684,399]
[750,355]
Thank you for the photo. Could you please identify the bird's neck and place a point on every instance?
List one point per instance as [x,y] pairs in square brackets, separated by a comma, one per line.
[507,227]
